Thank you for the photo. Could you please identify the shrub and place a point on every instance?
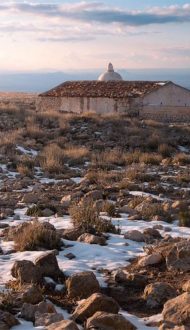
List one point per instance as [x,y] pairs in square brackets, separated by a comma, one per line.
[109,208]
[35,236]
[181,159]
[165,150]
[86,216]
[52,159]
[75,155]
[184,219]
[150,159]
[34,211]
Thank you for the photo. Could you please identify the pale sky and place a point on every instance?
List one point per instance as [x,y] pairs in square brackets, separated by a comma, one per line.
[44,35]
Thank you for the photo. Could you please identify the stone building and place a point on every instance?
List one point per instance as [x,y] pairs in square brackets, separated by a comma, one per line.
[159,100]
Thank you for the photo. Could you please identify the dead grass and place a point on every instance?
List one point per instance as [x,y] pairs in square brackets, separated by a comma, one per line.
[181,159]
[75,155]
[52,159]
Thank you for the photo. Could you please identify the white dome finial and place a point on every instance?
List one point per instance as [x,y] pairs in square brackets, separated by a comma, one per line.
[110,74]
[110,67]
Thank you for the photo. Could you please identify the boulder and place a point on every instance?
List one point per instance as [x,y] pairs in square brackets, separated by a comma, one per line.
[82,285]
[186,286]
[108,321]
[152,232]
[26,272]
[92,239]
[135,235]
[97,302]
[7,320]
[178,258]
[47,319]
[63,325]
[130,279]
[30,198]
[156,294]
[47,213]
[177,311]
[32,295]
[73,234]
[93,195]
[152,259]
[47,265]
[29,311]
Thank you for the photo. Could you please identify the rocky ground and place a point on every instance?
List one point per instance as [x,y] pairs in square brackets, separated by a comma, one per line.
[94,222]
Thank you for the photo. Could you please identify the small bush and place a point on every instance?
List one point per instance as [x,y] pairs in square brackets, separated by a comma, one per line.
[52,159]
[150,159]
[165,150]
[181,159]
[34,211]
[86,216]
[184,219]
[110,209]
[75,155]
[35,236]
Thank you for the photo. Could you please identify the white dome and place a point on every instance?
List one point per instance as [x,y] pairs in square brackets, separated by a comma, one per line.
[110,75]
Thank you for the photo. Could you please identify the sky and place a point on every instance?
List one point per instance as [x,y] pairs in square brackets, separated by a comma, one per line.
[45,36]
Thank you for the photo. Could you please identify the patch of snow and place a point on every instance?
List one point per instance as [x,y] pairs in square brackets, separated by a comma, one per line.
[30,152]
[144,194]
[77,180]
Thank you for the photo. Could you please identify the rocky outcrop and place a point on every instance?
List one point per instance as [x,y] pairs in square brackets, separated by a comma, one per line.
[29,311]
[63,325]
[92,239]
[47,265]
[95,303]
[156,294]
[25,272]
[108,321]
[177,311]
[7,320]
[82,285]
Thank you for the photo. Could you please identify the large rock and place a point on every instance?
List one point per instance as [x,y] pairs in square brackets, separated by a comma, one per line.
[30,198]
[93,195]
[186,286]
[95,303]
[63,325]
[177,311]
[7,320]
[91,239]
[130,279]
[47,318]
[73,233]
[47,265]
[178,257]
[29,311]
[108,321]
[25,271]
[156,294]
[82,285]
[135,235]
[32,295]
[152,259]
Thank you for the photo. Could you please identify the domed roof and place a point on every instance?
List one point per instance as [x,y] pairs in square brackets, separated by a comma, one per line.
[110,75]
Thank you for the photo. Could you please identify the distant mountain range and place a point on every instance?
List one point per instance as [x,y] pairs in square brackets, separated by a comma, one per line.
[39,82]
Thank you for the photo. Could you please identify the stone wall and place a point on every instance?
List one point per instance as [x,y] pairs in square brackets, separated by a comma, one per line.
[99,105]
[167,114]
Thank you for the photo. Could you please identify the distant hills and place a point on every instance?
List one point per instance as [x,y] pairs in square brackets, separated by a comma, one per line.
[38,82]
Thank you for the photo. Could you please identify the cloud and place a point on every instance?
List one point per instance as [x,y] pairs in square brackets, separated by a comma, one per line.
[98,12]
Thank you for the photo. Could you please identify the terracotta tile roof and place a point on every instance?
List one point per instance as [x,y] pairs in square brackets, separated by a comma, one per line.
[111,89]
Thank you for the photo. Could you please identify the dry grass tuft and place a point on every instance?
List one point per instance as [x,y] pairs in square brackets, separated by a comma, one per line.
[52,159]
[86,216]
